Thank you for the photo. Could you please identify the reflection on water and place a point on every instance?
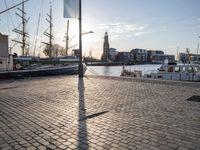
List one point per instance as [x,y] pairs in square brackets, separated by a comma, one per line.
[116,70]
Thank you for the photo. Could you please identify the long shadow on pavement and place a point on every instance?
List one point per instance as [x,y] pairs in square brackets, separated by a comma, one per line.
[82,126]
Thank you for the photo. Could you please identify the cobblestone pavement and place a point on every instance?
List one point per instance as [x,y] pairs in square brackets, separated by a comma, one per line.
[65,112]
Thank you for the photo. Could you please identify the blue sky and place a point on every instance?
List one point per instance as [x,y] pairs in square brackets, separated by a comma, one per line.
[151,24]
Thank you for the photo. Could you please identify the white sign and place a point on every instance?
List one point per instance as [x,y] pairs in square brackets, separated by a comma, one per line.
[71,8]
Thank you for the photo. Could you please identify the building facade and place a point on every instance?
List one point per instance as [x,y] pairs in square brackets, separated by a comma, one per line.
[186,58]
[140,55]
[150,53]
[123,56]
[112,54]
[160,58]
[6,61]
[3,45]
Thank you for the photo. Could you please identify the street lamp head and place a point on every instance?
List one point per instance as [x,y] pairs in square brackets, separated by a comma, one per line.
[87,32]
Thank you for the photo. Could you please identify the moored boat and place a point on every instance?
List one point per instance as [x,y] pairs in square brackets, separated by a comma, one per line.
[173,71]
[43,71]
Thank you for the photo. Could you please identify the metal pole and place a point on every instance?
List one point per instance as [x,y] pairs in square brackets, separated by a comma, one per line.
[198,47]
[67,38]
[80,41]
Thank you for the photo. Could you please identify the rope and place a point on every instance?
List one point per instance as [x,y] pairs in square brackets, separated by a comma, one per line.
[36,35]
[9,13]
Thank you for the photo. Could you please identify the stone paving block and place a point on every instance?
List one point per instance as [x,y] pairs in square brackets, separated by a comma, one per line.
[47,113]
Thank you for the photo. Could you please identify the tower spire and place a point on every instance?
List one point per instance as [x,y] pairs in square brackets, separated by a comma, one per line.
[106,47]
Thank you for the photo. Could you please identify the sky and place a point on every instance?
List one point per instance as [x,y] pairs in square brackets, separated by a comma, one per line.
[168,25]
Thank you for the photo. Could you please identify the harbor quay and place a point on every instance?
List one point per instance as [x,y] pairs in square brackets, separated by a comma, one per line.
[99,112]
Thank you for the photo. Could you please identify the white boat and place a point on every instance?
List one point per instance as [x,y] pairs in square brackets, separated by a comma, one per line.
[173,71]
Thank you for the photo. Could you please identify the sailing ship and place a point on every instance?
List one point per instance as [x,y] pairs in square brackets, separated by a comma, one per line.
[13,66]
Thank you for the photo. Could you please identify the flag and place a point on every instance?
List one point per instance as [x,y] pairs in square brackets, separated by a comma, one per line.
[71,8]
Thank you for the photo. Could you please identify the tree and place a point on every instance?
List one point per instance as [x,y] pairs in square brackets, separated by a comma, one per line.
[57,50]
[46,50]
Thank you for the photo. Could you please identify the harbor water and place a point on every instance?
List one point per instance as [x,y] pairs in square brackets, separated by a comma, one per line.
[116,70]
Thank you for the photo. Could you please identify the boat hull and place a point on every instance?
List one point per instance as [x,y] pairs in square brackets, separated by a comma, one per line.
[64,70]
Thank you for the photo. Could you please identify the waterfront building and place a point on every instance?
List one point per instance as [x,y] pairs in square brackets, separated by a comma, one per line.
[6,62]
[112,54]
[185,57]
[3,45]
[76,52]
[125,57]
[160,58]
[106,47]
[140,55]
[195,57]
[153,52]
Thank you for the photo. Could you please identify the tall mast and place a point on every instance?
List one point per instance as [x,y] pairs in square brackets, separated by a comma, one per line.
[22,32]
[49,35]
[67,38]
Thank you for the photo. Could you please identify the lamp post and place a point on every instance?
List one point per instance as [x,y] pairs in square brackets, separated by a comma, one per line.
[80,69]
[80,53]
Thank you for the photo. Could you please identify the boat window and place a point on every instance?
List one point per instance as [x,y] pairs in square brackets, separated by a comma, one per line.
[177,69]
[161,68]
[184,69]
[190,69]
[196,69]
[170,69]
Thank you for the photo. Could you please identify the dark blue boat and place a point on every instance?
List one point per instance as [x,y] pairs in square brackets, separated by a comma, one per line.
[48,71]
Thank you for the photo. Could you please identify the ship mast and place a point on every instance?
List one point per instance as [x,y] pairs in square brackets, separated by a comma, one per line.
[22,32]
[49,35]
[67,38]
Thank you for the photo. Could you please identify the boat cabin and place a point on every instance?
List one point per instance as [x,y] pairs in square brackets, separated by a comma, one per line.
[187,72]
